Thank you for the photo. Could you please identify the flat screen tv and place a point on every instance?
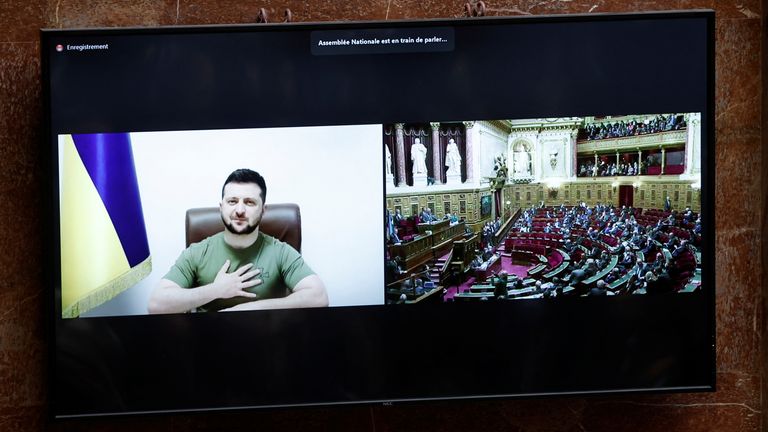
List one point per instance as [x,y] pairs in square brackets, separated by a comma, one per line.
[286,215]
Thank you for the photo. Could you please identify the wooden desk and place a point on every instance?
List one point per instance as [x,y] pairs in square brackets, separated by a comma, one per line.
[438,226]
[425,247]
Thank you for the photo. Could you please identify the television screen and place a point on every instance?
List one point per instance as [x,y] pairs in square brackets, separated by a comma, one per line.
[308,214]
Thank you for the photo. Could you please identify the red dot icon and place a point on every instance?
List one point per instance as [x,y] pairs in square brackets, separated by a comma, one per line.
[59,47]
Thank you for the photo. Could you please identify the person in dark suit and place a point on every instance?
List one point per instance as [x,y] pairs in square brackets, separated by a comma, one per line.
[637,280]
[426,215]
[398,217]
[650,247]
[576,277]
[651,283]
[658,262]
[595,253]
[613,276]
[591,269]
[600,289]
[500,285]
[663,282]
[628,259]
[569,246]
[671,241]
[680,250]
[640,268]
[687,216]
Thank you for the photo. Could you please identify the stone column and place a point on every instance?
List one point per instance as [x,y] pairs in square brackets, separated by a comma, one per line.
[469,157]
[693,144]
[400,154]
[574,150]
[617,160]
[639,161]
[663,159]
[437,165]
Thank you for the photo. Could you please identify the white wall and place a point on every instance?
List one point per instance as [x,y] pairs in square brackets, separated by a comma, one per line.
[551,142]
[334,174]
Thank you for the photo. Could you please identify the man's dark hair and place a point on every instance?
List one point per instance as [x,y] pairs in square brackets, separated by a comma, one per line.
[245,175]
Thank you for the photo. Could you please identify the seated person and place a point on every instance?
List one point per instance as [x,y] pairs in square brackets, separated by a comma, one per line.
[664,281]
[680,250]
[658,261]
[576,277]
[517,283]
[576,264]
[569,246]
[650,247]
[591,268]
[600,289]
[637,240]
[427,216]
[637,280]
[595,253]
[687,215]
[487,252]
[239,268]
[407,287]
[393,237]
[628,259]
[613,275]
[650,284]
[393,271]
[398,217]
[619,249]
[671,242]
[500,285]
[478,260]
[552,287]
[604,260]
[418,286]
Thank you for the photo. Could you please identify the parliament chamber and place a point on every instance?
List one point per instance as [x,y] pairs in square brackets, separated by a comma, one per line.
[543,208]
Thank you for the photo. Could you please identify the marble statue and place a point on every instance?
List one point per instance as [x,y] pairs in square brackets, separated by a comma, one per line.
[453,158]
[419,157]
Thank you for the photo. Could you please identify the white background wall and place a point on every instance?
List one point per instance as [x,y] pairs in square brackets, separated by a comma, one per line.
[334,174]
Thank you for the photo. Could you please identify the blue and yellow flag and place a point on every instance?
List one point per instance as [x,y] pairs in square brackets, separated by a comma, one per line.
[104,248]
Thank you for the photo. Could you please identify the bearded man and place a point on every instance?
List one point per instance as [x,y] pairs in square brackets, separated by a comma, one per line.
[239,268]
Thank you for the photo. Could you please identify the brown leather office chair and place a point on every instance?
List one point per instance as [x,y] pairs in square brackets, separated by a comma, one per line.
[281,221]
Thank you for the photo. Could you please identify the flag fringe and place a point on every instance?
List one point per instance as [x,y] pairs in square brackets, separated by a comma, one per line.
[109,290]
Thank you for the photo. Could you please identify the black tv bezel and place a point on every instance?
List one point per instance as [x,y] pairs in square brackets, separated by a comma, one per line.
[707,196]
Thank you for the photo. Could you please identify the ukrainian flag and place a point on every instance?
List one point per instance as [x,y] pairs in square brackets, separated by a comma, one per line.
[104,247]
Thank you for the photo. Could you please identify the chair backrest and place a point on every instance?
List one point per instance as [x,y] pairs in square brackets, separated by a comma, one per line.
[281,221]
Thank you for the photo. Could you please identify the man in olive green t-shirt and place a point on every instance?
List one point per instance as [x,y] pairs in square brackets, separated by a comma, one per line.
[239,268]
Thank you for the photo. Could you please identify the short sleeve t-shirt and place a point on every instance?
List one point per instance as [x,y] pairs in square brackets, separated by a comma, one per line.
[282,267]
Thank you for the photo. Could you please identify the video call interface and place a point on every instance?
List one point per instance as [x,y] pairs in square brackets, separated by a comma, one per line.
[115,198]
[142,240]
[373,195]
